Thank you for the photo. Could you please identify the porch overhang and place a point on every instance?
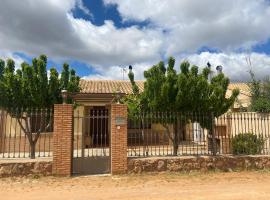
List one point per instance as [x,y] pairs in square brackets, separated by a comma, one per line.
[98,99]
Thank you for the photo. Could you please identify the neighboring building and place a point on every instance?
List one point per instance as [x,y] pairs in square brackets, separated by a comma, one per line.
[244,98]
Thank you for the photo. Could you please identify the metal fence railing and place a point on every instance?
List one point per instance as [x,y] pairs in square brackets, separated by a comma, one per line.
[91,136]
[26,133]
[176,134]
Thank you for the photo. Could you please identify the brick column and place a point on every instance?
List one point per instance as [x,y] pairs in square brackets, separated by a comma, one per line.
[62,139]
[118,138]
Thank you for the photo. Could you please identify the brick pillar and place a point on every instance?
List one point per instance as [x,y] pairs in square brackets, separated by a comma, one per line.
[62,139]
[118,138]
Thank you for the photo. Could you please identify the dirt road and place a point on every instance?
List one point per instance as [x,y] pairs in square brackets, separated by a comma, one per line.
[217,186]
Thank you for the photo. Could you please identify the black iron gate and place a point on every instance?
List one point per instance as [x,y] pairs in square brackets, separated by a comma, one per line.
[91,150]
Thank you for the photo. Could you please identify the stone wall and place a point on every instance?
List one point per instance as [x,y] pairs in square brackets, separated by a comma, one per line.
[139,165]
[19,168]
[202,163]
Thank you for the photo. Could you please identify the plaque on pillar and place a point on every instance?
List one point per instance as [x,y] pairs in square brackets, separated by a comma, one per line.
[120,121]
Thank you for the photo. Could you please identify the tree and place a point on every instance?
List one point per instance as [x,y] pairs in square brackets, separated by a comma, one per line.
[260,94]
[2,67]
[187,92]
[29,89]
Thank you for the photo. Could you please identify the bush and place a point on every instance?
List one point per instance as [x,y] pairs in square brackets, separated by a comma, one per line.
[261,105]
[247,143]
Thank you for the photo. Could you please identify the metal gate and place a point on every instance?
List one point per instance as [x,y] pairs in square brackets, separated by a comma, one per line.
[91,147]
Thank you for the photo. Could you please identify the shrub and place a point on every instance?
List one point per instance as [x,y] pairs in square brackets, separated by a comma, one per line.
[261,105]
[247,143]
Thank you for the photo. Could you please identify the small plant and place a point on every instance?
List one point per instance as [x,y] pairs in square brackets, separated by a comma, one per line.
[247,143]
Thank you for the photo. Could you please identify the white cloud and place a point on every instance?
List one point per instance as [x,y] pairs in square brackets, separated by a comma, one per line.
[8,55]
[176,28]
[107,45]
[116,72]
[53,30]
[234,64]
[82,7]
[191,24]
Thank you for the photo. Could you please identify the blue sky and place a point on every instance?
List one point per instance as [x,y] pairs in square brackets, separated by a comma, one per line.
[100,13]
[99,37]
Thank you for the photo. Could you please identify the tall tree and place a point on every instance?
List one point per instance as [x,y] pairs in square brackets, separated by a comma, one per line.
[29,88]
[260,94]
[2,67]
[54,88]
[187,91]
[65,76]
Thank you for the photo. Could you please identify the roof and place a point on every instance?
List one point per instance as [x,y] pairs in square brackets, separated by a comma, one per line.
[108,86]
[244,97]
[243,88]
[124,86]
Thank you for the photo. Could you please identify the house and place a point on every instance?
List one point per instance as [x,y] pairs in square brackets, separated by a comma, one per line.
[244,98]
[101,93]
[96,96]
[92,126]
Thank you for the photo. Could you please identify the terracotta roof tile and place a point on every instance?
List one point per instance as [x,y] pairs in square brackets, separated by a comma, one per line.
[243,87]
[108,86]
[111,86]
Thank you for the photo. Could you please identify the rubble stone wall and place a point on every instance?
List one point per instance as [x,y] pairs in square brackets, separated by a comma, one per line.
[8,169]
[201,163]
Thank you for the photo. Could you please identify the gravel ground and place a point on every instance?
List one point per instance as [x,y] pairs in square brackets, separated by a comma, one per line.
[194,186]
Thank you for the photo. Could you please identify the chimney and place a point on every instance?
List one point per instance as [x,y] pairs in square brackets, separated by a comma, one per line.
[219,69]
[130,68]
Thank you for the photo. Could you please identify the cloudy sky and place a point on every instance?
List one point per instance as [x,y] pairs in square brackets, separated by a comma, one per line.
[97,37]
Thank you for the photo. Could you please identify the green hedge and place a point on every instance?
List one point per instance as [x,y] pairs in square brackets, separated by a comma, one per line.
[247,143]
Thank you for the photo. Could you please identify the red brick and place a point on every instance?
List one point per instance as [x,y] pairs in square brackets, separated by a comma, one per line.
[62,139]
[118,140]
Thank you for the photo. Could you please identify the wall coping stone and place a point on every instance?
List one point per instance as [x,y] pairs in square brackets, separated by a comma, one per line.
[203,156]
[24,160]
